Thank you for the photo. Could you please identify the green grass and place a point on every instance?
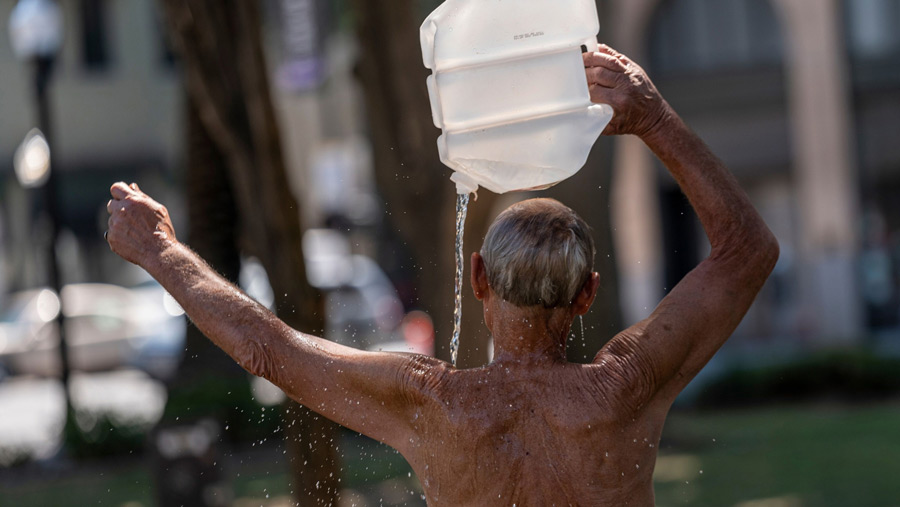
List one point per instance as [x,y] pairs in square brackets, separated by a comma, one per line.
[255,474]
[800,456]
[793,456]
[127,484]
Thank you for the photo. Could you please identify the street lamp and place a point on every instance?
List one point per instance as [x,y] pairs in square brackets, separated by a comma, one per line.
[36,29]
[36,34]
[32,160]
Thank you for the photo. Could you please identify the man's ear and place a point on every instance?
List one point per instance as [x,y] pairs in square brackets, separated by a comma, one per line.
[584,298]
[479,276]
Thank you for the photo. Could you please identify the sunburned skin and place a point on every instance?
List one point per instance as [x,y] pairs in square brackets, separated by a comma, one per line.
[529,428]
[531,432]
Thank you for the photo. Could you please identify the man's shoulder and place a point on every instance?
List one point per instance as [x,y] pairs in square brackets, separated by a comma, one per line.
[424,377]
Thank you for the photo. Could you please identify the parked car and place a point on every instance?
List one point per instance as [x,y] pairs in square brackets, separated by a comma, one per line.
[107,327]
[362,309]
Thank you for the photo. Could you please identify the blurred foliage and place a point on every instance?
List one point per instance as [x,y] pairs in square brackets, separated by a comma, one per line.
[846,375]
[96,434]
[225,399]
[229,400]
[257,473]
[15,456]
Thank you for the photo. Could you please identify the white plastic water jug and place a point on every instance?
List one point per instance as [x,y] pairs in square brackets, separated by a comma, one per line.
[508,90]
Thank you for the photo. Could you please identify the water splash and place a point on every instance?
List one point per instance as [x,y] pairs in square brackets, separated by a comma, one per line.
[462,207]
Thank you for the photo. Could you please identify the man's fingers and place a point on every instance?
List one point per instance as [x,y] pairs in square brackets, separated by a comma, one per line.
[603,60]
[612,53]
[598,94]
[603,48]
[120,191]
[135,187]
[603,77]
[109,207]
[603,95]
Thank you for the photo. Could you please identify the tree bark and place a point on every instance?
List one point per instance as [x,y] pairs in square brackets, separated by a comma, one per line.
[213,233]
[220,45]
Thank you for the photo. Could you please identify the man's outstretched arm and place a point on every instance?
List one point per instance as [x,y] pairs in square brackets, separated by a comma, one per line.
[661,354]
[366,391]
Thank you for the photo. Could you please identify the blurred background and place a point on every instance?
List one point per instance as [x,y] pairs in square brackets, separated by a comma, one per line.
[292,141]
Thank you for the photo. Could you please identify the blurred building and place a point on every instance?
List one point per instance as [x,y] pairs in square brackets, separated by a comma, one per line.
[801,99]
[117,104]
[114,106]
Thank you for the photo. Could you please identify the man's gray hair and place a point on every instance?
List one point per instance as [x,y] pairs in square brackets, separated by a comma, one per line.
[538,252]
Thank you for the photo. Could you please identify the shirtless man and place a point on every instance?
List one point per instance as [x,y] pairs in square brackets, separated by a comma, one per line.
[529,428]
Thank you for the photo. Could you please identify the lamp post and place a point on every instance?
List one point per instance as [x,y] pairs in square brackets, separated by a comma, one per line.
[36,33]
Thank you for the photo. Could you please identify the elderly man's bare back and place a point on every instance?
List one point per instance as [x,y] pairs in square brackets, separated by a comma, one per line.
[529,428]
[548,434]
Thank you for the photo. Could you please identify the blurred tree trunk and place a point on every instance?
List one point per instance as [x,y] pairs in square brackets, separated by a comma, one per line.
[227,82]
[213,233]
[420,199]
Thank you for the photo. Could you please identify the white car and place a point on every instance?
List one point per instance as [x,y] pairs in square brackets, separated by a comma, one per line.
[107,326]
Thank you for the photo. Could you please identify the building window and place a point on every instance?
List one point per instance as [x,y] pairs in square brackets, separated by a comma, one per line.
[95,50]
[872,31]
[873,43]
[690,36]
[720,64]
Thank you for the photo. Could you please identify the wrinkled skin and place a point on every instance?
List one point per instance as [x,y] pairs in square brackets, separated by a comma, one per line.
[529,428]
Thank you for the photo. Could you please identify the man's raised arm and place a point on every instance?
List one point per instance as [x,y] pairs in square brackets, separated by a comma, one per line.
[661,354]
[372,393]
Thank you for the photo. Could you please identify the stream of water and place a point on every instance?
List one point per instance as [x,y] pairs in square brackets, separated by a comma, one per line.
[462,207]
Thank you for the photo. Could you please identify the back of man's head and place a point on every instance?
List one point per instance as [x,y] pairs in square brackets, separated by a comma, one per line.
[538,252]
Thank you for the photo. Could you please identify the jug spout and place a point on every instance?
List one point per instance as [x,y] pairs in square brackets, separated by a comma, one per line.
[464,183]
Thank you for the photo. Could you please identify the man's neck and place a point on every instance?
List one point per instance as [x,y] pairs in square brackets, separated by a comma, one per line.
[529,335]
